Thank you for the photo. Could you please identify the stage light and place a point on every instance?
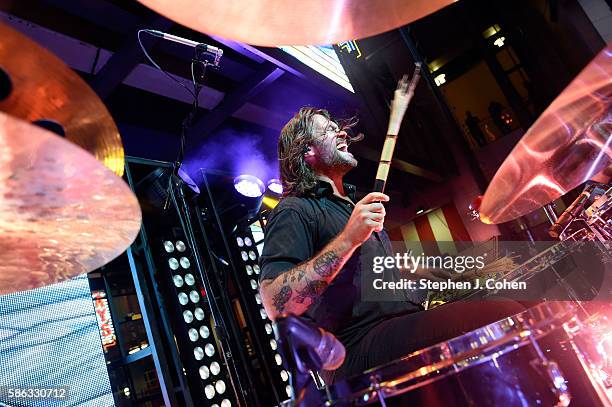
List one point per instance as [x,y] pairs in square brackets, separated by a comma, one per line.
[239,241]
[499,41]
[209,349]
[193,335]
[204,372]
[194,296]
[185,263]
[440,79]
[284,375]
[268,328]
[180,246]
[204,331]
[253,284]
[273,344]
[249,270]
[278,359]
[199,314]
[173,263]
[178,281]
[187,316]
[248,241]
[215,369]
[183,299]
[270,202]
[209,391]
[258,298]
[220,386]
[256,268]
[289,390]
[126,391]
[420,210]
[262,313]
[198,353]
[275,186]
[245,256]
[168,246]
[252,255]
[189,279]
[249,185]
[226,403]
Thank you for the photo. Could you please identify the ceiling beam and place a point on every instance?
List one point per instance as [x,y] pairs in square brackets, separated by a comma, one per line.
[119,66]
[235,99]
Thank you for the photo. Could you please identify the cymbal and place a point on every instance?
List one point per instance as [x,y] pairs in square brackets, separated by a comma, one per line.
[294,22]
[62,212]
[44,87]
[569,144]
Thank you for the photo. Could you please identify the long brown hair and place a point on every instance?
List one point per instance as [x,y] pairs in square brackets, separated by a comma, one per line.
[296,136]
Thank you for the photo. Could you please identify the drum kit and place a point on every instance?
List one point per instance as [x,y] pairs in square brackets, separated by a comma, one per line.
[66,211]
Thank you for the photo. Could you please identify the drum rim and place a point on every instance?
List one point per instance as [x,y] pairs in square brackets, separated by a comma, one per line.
[533,323]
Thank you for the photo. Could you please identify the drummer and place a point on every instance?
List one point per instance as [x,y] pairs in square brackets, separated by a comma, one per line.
[316,240]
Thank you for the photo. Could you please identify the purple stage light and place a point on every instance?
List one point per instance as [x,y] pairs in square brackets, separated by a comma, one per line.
[250,186]
[275,186]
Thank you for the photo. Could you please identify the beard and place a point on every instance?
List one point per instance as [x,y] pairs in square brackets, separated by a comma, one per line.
[342,160]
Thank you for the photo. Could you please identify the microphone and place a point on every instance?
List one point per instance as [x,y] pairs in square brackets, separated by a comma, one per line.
[213,52]
[571,212]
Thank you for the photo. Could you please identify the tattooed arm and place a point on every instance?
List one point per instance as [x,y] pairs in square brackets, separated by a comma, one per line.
[297,288]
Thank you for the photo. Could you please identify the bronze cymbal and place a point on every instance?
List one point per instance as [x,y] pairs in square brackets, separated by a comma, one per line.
[294,22]
[62,212]
[569,144]
[44,87]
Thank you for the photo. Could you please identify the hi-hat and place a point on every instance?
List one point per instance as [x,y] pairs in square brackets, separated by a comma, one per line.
[569,144]
[294,22]
[62,212]
[37,85]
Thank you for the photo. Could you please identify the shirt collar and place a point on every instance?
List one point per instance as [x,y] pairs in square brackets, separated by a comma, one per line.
[324,188]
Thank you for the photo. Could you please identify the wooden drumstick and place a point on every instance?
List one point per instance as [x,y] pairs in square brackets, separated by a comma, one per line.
[403,95]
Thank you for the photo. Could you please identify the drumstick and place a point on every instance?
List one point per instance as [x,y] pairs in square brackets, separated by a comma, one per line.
[401,99]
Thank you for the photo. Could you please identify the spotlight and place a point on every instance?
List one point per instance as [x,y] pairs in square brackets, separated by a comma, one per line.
[204,372]
[198,353]
[173,263]
[193,335]
[187,316]
[220,386]
[180,246]
[168,246]
[183,299]
[249,185]
[178,281]
[199,314]
[204,331]
[440,79]
[189,279]
[215,368]
[209,390]
[275,186]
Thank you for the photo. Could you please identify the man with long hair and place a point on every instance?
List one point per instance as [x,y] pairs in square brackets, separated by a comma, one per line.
[319,239]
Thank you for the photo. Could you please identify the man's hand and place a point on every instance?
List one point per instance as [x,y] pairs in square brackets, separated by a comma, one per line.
[368,216]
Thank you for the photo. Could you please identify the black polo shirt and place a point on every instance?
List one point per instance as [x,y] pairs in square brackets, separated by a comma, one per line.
[297,229]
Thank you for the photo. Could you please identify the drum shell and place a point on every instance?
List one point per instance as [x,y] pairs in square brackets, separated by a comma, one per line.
[516,377]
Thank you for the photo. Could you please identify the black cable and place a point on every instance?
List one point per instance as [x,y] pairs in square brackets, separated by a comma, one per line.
[156,65]
[188,121]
